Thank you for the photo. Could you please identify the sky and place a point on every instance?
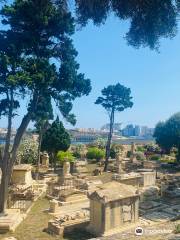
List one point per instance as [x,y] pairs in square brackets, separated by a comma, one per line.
[154,78]
[105,58]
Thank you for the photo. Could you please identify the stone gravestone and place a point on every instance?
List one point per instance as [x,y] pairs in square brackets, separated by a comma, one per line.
[45,159]
[119,163]
[133,153]
[54,206]
[66,168]
[66,178]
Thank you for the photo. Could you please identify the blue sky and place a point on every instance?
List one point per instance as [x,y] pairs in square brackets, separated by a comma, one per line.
[154,78]
[105,58]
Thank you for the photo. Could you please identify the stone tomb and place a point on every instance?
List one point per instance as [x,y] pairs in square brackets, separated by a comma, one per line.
[151,164]
[68,222]
[112,206]
[132,178]
[70,196]
[22,175]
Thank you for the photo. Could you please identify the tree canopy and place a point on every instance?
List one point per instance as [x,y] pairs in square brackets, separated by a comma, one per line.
[167,134]
[38,63]
[149,20]
[56,138]
[115,98]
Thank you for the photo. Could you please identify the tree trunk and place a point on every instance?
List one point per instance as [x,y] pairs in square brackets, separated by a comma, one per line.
[17,140]
[9,160]
[54,160]
[4,192]
[39,154]
[6,158]
[108,145]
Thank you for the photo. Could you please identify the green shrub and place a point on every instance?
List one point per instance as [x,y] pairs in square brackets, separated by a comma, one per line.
[27,152]
[76,154]
[155,158]
[115,148]
[177,228]
[62,156]
[140,149]
[95,153]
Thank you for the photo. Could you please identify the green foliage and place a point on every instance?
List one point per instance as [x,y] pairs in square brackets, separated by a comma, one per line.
[56,138]
[95,153]
[28,152]
[115,148]
[167,134]
[149,20]
[62,156]
[100,143]
[128,154]
[38,34]
[77,154]
[78,150]
[162,137]
[155,157]
[177,228]
[140,149]
[116,98]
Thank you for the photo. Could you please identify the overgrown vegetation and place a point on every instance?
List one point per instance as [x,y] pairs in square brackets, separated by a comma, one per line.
[95,153]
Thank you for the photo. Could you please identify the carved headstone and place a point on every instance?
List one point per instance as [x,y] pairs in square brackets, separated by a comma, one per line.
[66,168]
[133,154]
[45,159]
[119,163]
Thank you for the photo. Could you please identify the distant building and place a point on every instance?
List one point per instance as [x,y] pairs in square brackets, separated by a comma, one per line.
[128,131]
[81,135]
[117,127]
[137,131]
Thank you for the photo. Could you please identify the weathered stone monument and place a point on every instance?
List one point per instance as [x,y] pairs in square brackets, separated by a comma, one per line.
[22,175]
[54,206]
[68,222]
[148,179]
[66,178]
[80,167]
[119,163]
[45,159]
[133,154]
[132,178]
[112,206]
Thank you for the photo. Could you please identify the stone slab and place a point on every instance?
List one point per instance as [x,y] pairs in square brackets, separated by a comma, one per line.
[10,221]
